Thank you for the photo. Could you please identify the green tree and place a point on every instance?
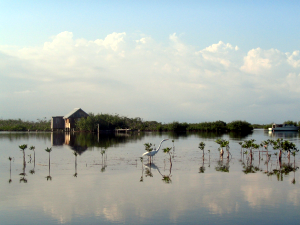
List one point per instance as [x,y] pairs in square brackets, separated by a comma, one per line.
[201,147]
[241,126]
[284,145]
[250,145]
[23,147]
[167,150]
[290,122]
[223,144]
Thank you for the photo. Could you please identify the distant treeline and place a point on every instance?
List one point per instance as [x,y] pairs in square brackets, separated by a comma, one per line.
[266,126]
[20,125]
[110,122]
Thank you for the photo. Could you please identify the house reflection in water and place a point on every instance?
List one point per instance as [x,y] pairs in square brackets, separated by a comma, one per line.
[69,139]
[283,134]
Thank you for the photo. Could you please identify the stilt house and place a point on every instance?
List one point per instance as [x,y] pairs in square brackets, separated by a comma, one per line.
[72,116]
[68,121]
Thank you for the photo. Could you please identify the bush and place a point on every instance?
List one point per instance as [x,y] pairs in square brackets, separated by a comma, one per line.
[241,126]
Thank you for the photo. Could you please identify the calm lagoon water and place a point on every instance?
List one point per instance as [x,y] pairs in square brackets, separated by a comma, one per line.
[116,187]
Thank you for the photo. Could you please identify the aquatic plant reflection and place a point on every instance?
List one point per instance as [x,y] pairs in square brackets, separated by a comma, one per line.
[104,159]
[32,148]
[221,167]
[166,178]
[49,176]
[75,154]
[23,174]
[9,158]
[142,177]
[23,147]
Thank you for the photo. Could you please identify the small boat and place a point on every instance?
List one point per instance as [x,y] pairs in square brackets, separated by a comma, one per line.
[283,127]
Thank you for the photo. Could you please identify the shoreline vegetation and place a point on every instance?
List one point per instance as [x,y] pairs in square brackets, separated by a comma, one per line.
[112,122]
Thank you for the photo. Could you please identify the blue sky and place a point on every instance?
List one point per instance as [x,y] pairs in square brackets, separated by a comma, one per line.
[187,61]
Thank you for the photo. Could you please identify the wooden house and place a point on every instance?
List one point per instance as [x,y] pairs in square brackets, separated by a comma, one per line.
[68,121]
[71,117]
[57,123]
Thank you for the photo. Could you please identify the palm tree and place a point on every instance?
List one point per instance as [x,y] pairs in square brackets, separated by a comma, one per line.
[49,150]
[23,147]
[223,144]
[266,145]
[148,148]
[250,145]
[202,146]
[167,150]
[284,146]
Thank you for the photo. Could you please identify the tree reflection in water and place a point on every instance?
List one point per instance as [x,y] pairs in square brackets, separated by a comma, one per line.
[49,176]
[32,171]
[142,177]
[23,174]
[249,164]
[165,178]
[202,168]
[221,167]
[10,180]
[104,159]
[75,154]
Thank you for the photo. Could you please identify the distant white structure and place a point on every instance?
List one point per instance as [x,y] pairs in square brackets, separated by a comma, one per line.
[283,127]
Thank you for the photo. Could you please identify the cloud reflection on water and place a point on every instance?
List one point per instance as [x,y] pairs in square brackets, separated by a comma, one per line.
[118,195]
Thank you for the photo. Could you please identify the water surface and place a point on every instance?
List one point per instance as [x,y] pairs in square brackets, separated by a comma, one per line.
[117,187]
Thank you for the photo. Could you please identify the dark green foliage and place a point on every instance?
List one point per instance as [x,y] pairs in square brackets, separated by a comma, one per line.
[261,126]
[48,150]
[23,147]
[148,147]
[201,145]
[250,169]
[222,168]
[176,126]
[207,126]
[267,126]
[167,179]
[223,143]
[20,125]
[239,125]
[167,150]
[285,169]
[284,145]
[289,122]
[201,169]
[112,122]
[250,145]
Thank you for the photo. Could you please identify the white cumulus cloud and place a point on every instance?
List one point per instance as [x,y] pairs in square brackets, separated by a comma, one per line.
[136,76]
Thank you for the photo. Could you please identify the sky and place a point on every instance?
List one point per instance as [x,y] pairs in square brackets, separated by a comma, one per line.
[185,61]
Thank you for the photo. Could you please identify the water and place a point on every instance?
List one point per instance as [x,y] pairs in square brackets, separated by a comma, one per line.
[117,188]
